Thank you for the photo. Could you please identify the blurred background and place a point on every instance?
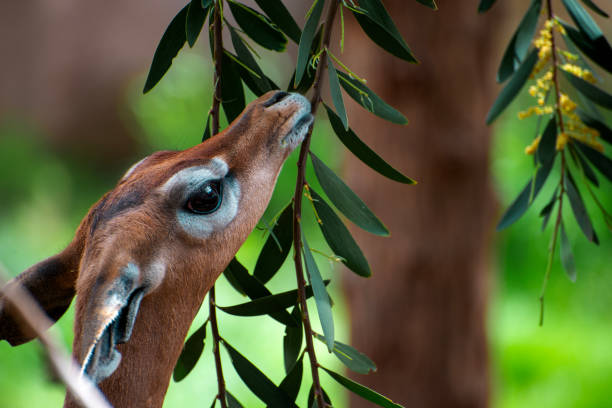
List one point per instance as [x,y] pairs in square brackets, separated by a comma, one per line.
[451,312]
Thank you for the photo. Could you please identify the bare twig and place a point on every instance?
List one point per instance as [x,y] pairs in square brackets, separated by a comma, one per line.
[297,211]
[80,386]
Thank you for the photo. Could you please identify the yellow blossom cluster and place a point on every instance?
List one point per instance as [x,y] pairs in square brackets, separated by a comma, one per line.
[531,149]
[579,72]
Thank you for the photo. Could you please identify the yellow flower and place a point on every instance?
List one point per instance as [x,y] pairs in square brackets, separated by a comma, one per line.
[531,149]
[562,139]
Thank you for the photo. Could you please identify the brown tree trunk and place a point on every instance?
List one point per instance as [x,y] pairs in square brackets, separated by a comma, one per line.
[421,317]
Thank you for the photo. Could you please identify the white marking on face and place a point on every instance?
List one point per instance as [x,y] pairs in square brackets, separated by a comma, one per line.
[188,181]
[301,120]
[131,169]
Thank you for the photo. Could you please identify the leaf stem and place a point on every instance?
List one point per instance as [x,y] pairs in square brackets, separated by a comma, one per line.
[297,209]
[215,113]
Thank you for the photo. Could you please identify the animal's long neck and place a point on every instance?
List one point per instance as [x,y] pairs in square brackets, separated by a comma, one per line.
[148,358]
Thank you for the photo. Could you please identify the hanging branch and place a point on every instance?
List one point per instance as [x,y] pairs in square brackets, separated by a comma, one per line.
[297,198]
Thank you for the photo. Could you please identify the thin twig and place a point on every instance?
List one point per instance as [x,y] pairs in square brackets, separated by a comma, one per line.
[80,386]
[297,211]
[217,56]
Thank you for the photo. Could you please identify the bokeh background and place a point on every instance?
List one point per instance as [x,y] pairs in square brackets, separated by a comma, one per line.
[73,119]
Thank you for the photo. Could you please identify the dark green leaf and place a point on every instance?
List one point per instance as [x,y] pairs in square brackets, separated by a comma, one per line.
[336,94]
[293,381]
[195,21]
[526,197]
[206,134]
[309,74]
[346,200]
[567,258]
[339,238]
[232,272]
[271,256]
[547,146]
[599,160]
[311,400]
[513,87]
[258,84]
[292,342]
[267,304]
[321,297]
[547,210]
[192,350]
[369,100]
[232,92]
[594,7]
[586,169]
[599,50]
[232,402]
[258,27]
[362,391]
[578,208]
[278,13]
[379,26]
[214,402]
[362,151]
[257,381]
[170,44]
[353,359]
[306,41]
[589,90]
[429,3]
[582,19]
[206,3]
[519,45]
[485,5]
[605,133]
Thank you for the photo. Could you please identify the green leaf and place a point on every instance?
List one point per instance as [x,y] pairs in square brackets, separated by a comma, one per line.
[589,90]
[547,210]
[258,27]
[526,197]
[322,299]
[339,238]
[594,7]
[267,304]
[429,3]
[306,38]
[258,383]
[214,402]
[278,13]
[311,400]
[309,75]
[513,87]
[578,208]
[170,44]
[586,169]
[362,151]
[353,359]
[369,100]
[582,19]
[346,200]
[519,45]
[271,257]
[292,342]
[192,350]
[336,94]
[381,29]
[598,51]
[260,85]
[605,133]
[194,21]
[485,5]
[232,402]
[547,147]
[567,258]
[362,391]
[232,92]
[292,383]
[232,272]
[206,134]
[599,160]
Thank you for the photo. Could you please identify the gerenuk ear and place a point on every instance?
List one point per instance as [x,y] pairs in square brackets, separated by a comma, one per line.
[51,283]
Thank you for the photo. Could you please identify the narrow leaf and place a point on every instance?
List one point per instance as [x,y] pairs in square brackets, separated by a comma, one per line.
[582,19]
[578,208]
[232,402]
[339,238]
[595,8]
[271,256]
[584,165]
[547,210]
[292,341]
[232,272]
[262,83]
[258,27]
[369,100]
[599,51]
[232,92]
[362,391]
[196,15]
[513,87]
[429,3]
[546,148]
[362,151]
[336,94]
[605,133]
[192,350]
[256,381]
[292,383]
[321,297]
[311,399]
[346,200]
[485,5]
[206,134]
[306,38]
[381,29]
[278,13]
[589,90]
[567,258]
[351,357]
[599,160]
[170,44]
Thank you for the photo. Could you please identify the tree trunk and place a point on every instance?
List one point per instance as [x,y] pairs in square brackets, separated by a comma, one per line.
[421,317]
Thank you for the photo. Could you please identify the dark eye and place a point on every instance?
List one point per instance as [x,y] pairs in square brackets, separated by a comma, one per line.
[207,199]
